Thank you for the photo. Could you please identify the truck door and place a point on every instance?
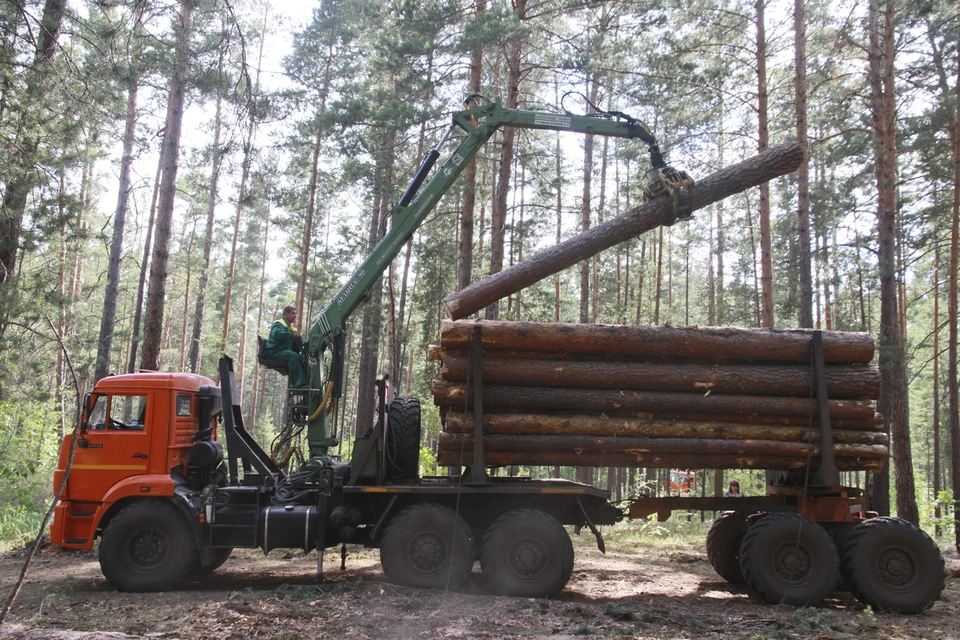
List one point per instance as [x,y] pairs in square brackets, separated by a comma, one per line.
[115,445]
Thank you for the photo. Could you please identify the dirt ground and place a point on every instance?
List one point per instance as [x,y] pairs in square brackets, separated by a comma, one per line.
[642,588]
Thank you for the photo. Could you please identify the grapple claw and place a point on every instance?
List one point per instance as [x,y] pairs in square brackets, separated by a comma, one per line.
[674,183]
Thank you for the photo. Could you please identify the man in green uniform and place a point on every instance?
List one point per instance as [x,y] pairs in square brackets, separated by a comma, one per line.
[284,343]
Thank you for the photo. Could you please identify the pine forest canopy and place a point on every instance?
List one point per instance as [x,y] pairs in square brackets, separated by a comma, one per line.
[175,173]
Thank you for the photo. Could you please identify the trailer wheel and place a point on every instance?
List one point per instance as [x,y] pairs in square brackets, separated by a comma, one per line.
[147,547]
[526,553]
[893,565]
[723,545]
[427,546]
[216,559]
[403,439]
[788,558]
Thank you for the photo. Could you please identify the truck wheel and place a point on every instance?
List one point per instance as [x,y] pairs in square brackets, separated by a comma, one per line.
[723,545]
[216,558]
[427,546]
[526,553]
[787,558]
[147,547]
[403,439]
[892,565]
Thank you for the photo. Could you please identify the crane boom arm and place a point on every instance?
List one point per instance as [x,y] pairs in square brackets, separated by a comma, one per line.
[479,122]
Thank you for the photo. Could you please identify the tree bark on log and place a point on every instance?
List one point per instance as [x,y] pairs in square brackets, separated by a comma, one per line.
[453,457]
[525,424]
[874,425]
[717,447]
[759,169]
[716,344]
[654,402]
[843,381]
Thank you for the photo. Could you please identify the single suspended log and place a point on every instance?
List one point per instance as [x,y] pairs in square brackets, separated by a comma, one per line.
[843,381]
[761,168]
[715,344]
[654,402]
[539,443]
[449,458]
[546,425]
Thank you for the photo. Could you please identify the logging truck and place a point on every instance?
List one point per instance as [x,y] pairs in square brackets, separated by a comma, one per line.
[164,474]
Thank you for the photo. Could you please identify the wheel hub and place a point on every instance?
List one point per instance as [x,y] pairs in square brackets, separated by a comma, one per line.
[792,562]
[896,567]
[147,550]
[427,553]
[528,559]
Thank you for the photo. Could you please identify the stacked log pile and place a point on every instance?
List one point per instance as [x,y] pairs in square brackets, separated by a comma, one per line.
[684,397]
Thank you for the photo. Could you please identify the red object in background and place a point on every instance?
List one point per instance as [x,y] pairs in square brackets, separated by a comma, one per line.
[681,481]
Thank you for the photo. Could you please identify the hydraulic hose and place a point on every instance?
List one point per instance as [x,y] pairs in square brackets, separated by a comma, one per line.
[326,401]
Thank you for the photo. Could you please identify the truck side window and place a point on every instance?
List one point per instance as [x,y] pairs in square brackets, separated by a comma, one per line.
[98,415]
[127,413]
[183,405]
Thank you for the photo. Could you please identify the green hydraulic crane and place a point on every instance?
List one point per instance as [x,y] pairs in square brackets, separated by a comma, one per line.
[479,121]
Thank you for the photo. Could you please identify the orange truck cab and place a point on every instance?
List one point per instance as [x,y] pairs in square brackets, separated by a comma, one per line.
[142,436]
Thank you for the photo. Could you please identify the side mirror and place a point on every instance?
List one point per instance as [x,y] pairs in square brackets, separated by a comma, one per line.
[88,401]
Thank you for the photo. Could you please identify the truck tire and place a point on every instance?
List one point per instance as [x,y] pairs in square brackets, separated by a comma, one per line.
[403,440]
[216,559]
[427,546]
[147,547]
[526,553]
[788,558]
[723,545]
[892,565]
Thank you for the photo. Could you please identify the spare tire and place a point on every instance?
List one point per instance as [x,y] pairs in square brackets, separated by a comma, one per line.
[403,440]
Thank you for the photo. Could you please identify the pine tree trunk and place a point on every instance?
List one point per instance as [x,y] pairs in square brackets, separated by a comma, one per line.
[242,351]
[720,249]
[585,206]
[936,386]
[144,269]
[307,241]
[803,171]
[231,270]
[893,399]
[186,300]
[109,313]
[498,216]
[257,384]
[198,316]
[371,323]
[153,317]
[558,163]
[766,249]
[658,285]
[465,262]
[953,318]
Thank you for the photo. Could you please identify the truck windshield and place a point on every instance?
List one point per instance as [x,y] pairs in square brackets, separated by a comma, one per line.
[119,413]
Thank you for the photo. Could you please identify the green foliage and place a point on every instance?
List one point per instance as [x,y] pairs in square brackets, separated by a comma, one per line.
[29,436]
[428,462]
